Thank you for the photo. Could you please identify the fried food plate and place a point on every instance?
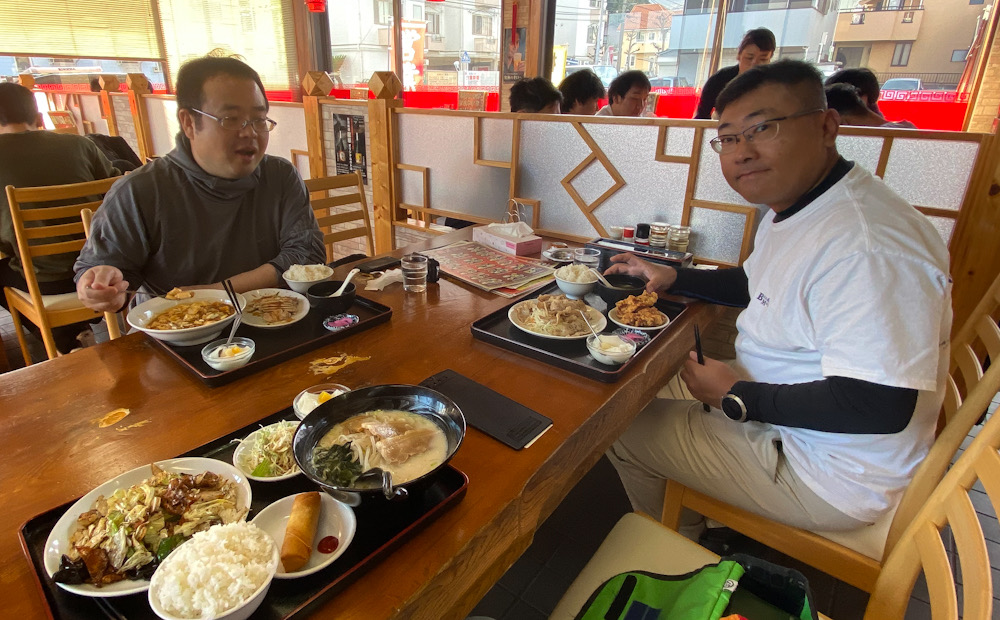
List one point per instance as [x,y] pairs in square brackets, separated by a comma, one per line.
[58,541]
[256,320]
[613,315]
[594,316]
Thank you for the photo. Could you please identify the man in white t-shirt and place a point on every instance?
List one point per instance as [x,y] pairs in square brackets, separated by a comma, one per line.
[842,350]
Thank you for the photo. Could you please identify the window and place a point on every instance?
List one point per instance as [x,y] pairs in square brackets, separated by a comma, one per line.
[595,4]
[592,33]
[857,19]
[908,17]
[959,55]
[482,25]
[901,55]
[418,13]
[383,11]
[433,23]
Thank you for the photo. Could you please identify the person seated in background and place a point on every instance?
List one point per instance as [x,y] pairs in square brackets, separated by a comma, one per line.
[755,49]
[862,79]
[581,91]
[846,100]
[33,157]
[214,208]
[842,348]
[627,95]
[535,95]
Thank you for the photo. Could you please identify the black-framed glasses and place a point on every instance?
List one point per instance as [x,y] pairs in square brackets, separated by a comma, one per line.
[761,132]
[232,123]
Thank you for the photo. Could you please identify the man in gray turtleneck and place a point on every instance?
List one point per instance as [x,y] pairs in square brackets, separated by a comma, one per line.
[215,207]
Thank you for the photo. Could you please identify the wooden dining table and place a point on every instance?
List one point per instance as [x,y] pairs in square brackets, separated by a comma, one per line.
[54,450]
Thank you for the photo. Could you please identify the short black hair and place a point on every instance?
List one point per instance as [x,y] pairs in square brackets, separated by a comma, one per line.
[17,105]
[579,87]
[861,78]
[533,95]
[194,73]
[761,37]
[844,98]
[796,74]
[626,81]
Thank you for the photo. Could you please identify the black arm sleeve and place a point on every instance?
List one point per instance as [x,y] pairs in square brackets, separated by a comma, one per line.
[728,287]
[710,91]
[833,405]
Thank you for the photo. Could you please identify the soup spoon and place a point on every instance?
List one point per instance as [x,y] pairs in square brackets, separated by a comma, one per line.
[604,280]
[347,281]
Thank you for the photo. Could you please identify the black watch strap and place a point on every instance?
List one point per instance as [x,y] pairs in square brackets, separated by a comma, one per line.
[734,407]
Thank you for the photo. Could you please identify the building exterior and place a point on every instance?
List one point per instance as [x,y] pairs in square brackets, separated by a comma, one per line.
[923,39]
[803,29]
[644,34]
[576,28]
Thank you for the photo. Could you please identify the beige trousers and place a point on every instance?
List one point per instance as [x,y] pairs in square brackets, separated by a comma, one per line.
[741,464]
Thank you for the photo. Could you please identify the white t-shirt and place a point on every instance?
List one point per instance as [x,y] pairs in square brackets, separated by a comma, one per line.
[605,111]
[854,285]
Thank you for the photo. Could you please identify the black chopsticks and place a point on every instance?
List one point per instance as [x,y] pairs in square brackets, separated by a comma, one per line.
[701,356]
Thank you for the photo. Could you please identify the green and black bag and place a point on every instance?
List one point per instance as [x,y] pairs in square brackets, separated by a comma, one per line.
[738,584]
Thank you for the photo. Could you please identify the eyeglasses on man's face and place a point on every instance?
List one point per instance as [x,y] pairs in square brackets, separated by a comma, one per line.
[761,132]
[232,123]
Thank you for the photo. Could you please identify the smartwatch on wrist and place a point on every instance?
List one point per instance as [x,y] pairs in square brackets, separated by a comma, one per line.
[734,407]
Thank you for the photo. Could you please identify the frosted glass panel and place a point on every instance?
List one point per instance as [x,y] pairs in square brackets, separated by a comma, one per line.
[711,185]
[931,173]
[592,181]
[680,141]
[496,137]
[444,144]
[542,167]
[163,125]
[716,235]
[862,150]
[945,226]
[411,183]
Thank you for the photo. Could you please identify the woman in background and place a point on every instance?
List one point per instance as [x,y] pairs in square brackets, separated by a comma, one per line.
[756,48]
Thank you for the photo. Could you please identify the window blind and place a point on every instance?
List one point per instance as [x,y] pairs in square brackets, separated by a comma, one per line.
[83,28]
[261,31]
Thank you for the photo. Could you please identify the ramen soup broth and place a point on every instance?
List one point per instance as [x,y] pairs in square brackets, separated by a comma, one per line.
[382,438]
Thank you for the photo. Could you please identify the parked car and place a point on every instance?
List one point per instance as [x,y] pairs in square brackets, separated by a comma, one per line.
[903,84]
[669,82]
[605,72]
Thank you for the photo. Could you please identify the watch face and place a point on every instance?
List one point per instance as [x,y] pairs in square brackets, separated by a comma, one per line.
[731,407]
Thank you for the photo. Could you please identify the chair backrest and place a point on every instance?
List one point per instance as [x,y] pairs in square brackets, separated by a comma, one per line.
[47,230]
[921,547]
[337,222]
[978,338]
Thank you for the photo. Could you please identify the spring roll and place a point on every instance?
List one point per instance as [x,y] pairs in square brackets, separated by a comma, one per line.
[300,531]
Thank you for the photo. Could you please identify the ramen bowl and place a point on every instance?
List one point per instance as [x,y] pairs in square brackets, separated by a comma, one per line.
[425,402]
[143,314]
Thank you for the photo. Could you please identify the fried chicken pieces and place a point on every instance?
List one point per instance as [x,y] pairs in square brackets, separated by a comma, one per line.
[639,311]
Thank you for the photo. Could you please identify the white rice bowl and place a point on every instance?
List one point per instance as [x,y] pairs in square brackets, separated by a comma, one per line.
[224,571]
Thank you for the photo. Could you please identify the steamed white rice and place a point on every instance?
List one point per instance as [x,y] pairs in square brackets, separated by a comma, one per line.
[308,273]
[215,571]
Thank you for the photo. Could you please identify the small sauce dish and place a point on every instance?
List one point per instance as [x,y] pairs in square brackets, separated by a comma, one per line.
[312,397]
[611,349]
[221,356]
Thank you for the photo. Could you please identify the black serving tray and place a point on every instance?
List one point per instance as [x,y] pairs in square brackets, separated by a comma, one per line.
[571,355]
[381,527]
[276,345]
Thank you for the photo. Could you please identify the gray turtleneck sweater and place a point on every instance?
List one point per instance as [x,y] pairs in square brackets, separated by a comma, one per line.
[170,223]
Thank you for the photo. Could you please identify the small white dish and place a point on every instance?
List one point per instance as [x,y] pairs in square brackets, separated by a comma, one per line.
[257,321]
[302,408]
[210,356]
[613,316]
[609,357]
[58,540]
[558,255]
[335,519]
[242,453]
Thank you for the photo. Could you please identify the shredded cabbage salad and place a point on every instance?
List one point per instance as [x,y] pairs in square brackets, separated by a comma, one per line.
[270,453]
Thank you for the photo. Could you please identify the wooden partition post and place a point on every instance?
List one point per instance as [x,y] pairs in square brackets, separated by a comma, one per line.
[136,89]
[386,87]
[314,136]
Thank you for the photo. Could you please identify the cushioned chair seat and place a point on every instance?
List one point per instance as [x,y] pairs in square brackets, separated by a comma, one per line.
[54,303]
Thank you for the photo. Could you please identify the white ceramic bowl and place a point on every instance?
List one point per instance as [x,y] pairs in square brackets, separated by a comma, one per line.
[145,312]
[335,519]
[228,363]
[575,290]
[301,286]
[240,612]
[607,357]
[302,409]
[242,453]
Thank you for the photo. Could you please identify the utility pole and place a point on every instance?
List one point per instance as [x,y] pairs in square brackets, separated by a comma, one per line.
[599,40]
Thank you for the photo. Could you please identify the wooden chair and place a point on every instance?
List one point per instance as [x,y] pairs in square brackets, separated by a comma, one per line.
[639,543]
[36,236]
[110,318]
[335,222]
[856,557]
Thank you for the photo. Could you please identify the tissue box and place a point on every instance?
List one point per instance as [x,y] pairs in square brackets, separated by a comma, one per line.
[531,244]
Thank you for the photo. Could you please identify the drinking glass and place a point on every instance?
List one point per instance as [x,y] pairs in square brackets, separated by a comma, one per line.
[414,273]
[678,237]
[588,257]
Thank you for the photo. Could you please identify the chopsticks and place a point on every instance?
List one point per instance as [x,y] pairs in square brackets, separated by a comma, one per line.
[701,356]
[228,285]
[108,610]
